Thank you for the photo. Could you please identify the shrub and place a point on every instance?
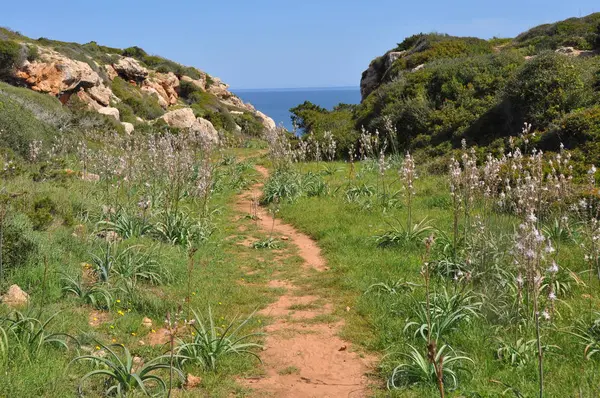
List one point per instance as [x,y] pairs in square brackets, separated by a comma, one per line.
[546,88]
[10,52]
[143,105]
[42,214]
[250,125]
[20,244]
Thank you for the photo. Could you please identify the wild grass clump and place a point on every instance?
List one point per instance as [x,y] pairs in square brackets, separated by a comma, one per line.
[211,343]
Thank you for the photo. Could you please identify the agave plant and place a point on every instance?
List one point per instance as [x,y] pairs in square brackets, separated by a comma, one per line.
[283,184]
[211,343]
[314,185]
[417,369]
[521,352]
[125,225]
[446,314]
[268,243]
[30,334]
[178,228]
[123,376]
[400,236]
[93,294]
[588,335]
[134,264]
[354,193]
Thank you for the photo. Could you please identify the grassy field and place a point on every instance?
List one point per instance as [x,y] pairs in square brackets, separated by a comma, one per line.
[384,286]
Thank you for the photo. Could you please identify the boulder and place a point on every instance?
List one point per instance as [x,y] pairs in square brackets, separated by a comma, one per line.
[101,94]
[266,121]
[15,297]
[55,74]
[130,69]
[182,118]
[107,110]
[205,129]
[192,381]
[87,99]
[129,128]
[147,322]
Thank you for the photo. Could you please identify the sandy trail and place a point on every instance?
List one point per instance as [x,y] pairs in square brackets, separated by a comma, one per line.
[302,356]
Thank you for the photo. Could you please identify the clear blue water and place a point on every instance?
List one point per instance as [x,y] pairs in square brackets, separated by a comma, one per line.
[276,103]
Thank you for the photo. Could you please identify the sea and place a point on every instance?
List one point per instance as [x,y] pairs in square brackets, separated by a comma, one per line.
[276,103]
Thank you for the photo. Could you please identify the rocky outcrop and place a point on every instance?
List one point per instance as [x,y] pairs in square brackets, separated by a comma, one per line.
[165,86]
[15,297]
[55,74]
[371,78]
[130,69]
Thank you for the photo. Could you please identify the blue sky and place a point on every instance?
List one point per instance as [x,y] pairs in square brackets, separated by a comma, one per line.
[278,43]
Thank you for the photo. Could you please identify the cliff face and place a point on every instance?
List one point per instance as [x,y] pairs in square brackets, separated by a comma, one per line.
[129,85]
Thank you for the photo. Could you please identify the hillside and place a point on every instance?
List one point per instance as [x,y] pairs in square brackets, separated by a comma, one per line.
[433,90]
[436,90]
[139,90]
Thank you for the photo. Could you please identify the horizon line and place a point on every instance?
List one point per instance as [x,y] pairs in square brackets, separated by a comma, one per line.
[293,88]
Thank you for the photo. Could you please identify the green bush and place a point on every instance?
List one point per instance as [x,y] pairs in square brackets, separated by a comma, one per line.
[143,105]
[26,116]
[250,125]
[42,214]
[19,241]
[10,52]
[313,119]
[574,32]
[546,88]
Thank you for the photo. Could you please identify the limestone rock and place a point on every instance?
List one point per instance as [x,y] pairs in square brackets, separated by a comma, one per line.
[129,128]
[101,94]
[206,130]
[165,86]
[15,297]
[107,110]
[267,122]
[371,78]
[200,83]
[130,69]
[56,74]
[111,72]
[91,177]
[147,322]
[418,68]
[192,381]
[182,118]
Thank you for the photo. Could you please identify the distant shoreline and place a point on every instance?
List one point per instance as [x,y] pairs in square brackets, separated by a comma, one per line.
[298,89]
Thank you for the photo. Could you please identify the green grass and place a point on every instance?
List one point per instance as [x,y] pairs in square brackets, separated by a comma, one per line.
[376,320]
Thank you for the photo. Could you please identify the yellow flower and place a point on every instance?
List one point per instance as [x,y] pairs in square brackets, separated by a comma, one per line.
[193,333]
[193,293]
[220,303]
[95,318]
[97,348]
[121,313]
[118,301]
[153,331]
[133,333]
[112,326]
[114,340]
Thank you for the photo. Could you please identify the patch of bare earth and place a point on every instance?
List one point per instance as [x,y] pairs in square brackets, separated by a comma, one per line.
[302,357]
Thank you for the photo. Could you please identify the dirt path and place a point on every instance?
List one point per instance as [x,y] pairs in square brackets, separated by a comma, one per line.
[303,357]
